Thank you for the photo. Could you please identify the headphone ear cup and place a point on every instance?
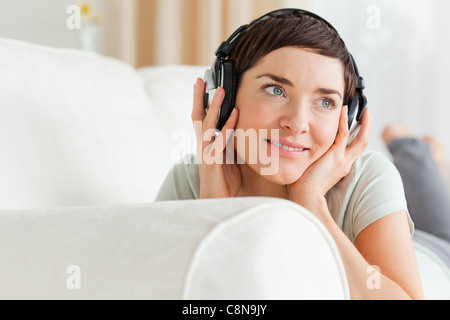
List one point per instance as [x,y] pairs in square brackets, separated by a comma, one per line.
[229,86]
[362,106]
[352,110]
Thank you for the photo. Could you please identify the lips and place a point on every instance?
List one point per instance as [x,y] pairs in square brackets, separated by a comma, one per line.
[287,146]
[286,149]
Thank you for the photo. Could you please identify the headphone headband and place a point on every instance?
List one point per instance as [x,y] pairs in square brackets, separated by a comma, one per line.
[225,48]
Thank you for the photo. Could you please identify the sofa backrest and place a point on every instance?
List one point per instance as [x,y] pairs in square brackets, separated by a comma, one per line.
[76,128]
[248,249]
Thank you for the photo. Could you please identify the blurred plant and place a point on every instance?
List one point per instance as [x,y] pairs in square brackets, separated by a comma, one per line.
[90,25]
[88,13]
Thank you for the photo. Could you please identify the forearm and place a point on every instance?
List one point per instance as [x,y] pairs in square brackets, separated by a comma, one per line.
[365,281]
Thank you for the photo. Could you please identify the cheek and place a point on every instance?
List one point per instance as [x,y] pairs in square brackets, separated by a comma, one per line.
[325,134]
[253,115]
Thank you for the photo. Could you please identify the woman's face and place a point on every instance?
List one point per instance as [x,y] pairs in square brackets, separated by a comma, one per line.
[300,94]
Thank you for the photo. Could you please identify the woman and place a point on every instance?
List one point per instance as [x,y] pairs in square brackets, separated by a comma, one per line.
[294,76]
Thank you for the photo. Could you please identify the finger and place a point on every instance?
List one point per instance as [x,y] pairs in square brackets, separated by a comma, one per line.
[227,131]
[366,126]
[343,133]
[213,112]
[198,112]
[198,109]
[362,140]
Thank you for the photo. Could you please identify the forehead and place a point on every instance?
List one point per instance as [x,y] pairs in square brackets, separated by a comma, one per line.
[302,67]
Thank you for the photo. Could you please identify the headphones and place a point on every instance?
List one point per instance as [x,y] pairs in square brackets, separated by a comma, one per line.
[222,74]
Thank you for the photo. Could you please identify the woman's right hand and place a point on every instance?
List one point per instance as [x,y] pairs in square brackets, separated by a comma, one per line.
[218,179]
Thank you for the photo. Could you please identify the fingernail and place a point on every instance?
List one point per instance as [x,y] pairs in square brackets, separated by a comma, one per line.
[197,82]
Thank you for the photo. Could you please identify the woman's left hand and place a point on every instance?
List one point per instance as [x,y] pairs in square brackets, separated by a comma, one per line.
[335,164]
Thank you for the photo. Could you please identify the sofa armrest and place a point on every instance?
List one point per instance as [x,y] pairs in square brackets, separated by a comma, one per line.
[240,248]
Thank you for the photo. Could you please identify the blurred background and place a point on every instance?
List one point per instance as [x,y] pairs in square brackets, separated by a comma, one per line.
[399,45]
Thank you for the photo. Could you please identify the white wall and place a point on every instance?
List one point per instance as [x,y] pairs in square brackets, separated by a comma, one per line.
[44,22]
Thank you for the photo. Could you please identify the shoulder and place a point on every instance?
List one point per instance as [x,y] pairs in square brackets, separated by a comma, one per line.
[182,181]
[376,173]
[374,163]
[373,189]
[376,182]
[371,169]
[186,167]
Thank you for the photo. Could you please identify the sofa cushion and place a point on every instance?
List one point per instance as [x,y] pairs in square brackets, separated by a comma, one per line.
[76,129]
[170,89]
[434,265]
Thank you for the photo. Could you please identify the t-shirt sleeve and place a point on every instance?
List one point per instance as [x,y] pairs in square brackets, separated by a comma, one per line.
[181,182]
[378,192]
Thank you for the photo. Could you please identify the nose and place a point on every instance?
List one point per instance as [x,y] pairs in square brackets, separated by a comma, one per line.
[296,119]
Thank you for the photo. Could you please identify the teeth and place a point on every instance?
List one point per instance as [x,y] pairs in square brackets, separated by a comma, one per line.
[282,146]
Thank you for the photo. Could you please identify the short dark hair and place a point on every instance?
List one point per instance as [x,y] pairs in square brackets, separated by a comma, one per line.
[292,29]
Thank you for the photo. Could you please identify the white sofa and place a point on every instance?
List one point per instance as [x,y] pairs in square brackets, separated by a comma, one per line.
[86,141]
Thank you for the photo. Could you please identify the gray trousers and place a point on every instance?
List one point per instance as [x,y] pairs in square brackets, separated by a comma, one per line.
[426,192]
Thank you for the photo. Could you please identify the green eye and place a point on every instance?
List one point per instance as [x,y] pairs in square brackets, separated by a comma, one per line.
[327,104]
[274,91]
[277,91]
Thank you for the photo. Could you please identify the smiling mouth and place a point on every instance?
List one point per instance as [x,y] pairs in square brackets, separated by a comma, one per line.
[284,147]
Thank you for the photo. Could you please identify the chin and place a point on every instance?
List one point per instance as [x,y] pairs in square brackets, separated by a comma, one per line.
[284,176]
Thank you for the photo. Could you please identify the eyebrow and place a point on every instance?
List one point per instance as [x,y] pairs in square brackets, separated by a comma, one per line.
[277,79]
[329,91]
[289,83]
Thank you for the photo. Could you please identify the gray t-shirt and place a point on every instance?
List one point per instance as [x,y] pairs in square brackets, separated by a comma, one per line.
[373,189]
